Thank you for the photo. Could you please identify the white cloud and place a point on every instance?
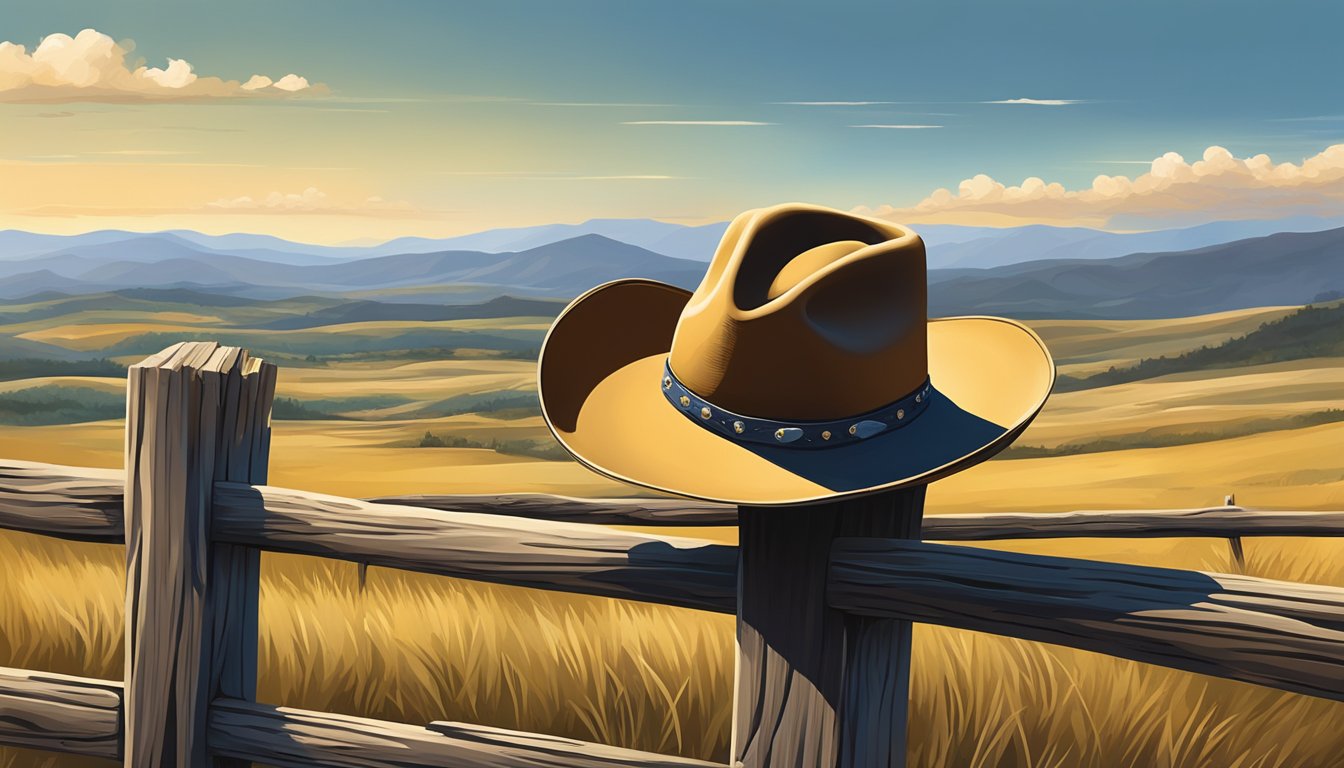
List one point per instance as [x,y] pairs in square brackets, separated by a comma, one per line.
[177,75]
[91,66]
[1037,102]
[292,83]
[1173,191]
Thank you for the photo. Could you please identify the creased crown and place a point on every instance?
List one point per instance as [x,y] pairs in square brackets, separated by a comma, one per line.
[806,313]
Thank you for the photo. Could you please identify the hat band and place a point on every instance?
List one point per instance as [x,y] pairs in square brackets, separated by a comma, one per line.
[793,434]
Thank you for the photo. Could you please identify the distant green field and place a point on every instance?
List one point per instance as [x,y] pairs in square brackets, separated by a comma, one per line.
[321,343]
[49,404]
[1309,332]
[1161,438]
[33,368]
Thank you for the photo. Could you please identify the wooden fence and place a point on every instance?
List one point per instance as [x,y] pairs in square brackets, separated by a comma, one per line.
[194,512]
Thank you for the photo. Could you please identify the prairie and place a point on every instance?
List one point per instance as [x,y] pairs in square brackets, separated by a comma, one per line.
[1088,346]
[418,648]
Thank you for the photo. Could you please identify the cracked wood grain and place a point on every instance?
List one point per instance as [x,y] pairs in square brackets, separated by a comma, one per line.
[60,713]
[1279,634]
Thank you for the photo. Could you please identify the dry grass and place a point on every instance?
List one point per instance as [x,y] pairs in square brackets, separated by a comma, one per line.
[418,648]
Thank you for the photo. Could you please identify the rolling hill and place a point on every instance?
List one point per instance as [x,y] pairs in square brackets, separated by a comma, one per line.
[1309,332]
[1281,269]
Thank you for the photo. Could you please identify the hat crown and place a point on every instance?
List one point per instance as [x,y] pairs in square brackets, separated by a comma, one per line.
[806,313]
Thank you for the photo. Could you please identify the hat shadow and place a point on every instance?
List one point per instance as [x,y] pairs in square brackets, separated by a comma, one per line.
[942,434]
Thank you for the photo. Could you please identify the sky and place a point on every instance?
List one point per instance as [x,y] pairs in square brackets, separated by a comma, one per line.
[339,121]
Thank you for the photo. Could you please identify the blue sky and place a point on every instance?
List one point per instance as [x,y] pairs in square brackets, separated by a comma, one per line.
[454,116]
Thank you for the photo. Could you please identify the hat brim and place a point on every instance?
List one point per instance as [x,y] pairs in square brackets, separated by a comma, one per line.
[598,381]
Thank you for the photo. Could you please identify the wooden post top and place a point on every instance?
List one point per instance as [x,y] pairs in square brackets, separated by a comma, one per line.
[203,356]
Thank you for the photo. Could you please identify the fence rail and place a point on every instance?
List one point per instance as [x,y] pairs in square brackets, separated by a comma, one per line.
[82,716]
[85,504]
[1274,633]
[823,598]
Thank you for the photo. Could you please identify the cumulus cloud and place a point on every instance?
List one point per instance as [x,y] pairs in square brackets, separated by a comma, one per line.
[1172,191]
[91,66]
[311,200]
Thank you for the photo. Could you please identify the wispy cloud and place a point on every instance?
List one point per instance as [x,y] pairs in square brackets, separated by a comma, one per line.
[91,66]
[1037,102]
[633,177]
[1173,191]
[562,175]
[314,201]
[896,127]
[1311,119]
[730,123]
[597,104]
[123,161]
[565,175]
[143,152]
[835,103]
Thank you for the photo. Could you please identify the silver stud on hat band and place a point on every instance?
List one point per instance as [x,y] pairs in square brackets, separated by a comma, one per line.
[800,434]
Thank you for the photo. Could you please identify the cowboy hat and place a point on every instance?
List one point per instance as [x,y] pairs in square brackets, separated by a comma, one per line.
[803,369]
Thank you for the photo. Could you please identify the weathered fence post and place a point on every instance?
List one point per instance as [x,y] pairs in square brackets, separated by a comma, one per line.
[813,686]
[196,413]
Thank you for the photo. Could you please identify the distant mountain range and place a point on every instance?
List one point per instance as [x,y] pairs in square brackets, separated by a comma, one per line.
[1083,276]
[1282,269]
[679,241]
[562,269]
[948,246]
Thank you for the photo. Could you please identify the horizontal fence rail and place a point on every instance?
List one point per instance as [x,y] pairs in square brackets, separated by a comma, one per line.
[1274,633]
[85,504]
[82,716]
[586,559]
[297,738]
[60,713]
[79,503]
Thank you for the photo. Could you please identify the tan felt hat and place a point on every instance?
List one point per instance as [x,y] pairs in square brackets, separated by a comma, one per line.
[803,369]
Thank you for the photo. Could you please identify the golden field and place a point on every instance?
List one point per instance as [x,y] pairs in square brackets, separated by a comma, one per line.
[418,648]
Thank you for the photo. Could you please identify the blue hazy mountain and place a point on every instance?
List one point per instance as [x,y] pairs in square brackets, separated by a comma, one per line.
[1283,269]
[1078,272]
[949,246]
[561,269]
[675,240]
[112,245]
[981,247]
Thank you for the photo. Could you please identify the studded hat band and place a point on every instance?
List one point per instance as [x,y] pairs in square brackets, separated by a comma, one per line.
[794,434]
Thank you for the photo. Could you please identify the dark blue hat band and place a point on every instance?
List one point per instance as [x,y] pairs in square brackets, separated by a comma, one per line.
[793,434]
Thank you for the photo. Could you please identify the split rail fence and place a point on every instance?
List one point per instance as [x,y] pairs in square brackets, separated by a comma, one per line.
[823,612]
